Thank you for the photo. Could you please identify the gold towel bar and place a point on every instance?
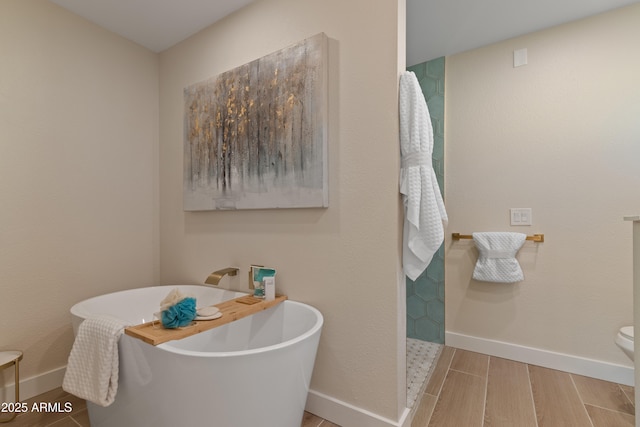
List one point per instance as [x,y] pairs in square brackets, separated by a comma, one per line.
[538,238]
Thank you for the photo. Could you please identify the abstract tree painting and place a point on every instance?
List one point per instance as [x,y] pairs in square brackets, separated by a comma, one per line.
[255,137]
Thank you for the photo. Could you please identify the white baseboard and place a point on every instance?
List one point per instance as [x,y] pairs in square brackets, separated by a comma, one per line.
[34,386]
[547,359]
[347,415]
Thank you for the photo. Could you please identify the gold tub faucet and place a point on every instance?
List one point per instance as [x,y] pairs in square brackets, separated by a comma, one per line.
[214,278]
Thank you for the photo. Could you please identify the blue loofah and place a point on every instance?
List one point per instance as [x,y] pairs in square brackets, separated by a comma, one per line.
[180,314]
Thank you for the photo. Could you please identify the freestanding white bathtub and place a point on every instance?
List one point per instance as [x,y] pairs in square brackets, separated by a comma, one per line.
[251,372]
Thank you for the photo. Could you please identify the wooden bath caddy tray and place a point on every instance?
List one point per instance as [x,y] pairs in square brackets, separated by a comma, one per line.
[154,333]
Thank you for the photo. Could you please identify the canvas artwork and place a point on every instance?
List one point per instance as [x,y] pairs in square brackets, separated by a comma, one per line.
[255,137]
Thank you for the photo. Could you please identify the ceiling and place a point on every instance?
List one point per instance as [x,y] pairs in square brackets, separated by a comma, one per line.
[438,28]
[434,27]
[154,24]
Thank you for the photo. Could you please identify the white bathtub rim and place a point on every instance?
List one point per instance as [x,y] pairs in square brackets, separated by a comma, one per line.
[239,353]
[78,309]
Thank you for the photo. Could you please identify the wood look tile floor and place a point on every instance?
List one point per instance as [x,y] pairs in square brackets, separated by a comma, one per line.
[472,389]
[466,389]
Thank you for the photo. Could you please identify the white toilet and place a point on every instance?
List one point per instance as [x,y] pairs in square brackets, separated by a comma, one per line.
[624,340]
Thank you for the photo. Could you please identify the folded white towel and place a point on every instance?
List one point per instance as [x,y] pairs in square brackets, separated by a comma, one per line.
[92,369]
[425,214]
[496,261]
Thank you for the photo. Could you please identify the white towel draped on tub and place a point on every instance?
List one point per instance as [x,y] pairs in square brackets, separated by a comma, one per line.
[496,259]
[92,370]
[425,216]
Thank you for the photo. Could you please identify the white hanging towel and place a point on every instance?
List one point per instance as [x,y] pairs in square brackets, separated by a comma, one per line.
[497,259]
[92,369]
[424,213]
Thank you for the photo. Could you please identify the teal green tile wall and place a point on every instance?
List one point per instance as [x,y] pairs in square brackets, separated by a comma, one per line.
[425,295]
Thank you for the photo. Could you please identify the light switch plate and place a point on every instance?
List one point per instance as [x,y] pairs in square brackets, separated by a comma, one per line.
[521,216]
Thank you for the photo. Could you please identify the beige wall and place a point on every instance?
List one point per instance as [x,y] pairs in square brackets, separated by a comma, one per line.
[85,211]
[561,136]
[344,259]
[78,168]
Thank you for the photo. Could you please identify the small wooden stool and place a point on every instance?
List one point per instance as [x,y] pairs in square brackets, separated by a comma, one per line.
[8,358]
